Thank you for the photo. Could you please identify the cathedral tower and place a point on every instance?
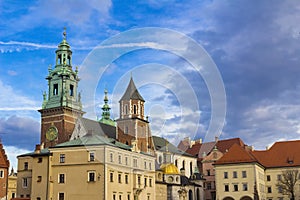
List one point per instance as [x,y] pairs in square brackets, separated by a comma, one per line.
[62,105]
[133,128]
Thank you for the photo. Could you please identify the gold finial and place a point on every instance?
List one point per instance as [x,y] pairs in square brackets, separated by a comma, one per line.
[65,33]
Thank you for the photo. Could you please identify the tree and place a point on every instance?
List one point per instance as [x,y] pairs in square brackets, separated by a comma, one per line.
[287,182]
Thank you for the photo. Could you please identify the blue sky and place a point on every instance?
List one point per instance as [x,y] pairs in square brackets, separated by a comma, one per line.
[254,44]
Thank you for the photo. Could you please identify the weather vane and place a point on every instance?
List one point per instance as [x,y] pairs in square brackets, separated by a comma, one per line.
[65,33]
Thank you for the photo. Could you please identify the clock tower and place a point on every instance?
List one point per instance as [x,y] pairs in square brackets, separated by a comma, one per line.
[62,105]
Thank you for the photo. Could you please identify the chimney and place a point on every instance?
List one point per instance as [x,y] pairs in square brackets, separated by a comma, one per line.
[216,138]
[37,148]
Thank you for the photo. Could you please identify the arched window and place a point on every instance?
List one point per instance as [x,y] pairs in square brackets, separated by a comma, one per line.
[183,164]
[126,109]
[176,163]
[134,109]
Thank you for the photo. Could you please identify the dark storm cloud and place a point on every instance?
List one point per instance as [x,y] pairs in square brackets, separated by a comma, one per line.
[19,131]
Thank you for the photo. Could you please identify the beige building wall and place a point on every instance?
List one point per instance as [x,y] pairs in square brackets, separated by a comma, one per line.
[24,176]
[237,181]
[129,174]
[70,174]
[40,177]
[12,186]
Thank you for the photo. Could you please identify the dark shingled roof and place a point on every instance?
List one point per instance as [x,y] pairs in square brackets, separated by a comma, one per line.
[99,128]
[160,145]
[131,92]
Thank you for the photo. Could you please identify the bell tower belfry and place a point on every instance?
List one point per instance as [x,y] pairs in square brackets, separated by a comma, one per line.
[62,106]
[133,127]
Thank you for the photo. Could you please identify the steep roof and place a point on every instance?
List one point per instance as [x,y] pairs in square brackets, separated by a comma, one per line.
[237,154]
[131,92]
[4,162]
[223,145]
[99,128]
[161,143]
[281,154]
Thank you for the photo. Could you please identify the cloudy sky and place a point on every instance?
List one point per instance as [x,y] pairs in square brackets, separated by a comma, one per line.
[251,47]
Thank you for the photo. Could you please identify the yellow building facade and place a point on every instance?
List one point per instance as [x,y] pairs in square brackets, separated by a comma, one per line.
[243,173]
[91,167]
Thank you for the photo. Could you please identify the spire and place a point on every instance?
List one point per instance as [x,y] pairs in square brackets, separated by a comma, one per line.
[106,111]
[132,92]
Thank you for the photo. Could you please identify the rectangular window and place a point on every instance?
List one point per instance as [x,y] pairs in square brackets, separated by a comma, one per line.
[150,166]
[145,165]
[111,157]
[126,178]
[150,182]
[71,90]
[126,160]
[269,189]
[234,174]
[120,178]
[39,179]
[244,174]
[280,189]
[92,156]
[25,183]
[91,177]
[139,180]
[208,185]
[128,197]
[208,172]
[111,177]
[278,177]
[61,196]
[114,197]
[40,160]
[235,187]
[61,178]
[1,173]
[268,178]
[120,159]
[225,175]
[25,165]
[145,182]
[55,89]
[226,188]
[134,162]
[245,187]
[62,158]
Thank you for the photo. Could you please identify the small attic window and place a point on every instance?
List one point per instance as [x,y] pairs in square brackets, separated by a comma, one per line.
[290,161]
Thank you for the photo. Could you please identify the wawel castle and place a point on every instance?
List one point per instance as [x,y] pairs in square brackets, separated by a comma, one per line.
[84,159]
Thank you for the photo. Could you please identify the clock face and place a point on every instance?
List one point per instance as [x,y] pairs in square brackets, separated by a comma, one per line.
[51,133]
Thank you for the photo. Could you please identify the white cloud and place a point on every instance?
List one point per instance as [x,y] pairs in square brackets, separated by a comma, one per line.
[12,152]
[11,99]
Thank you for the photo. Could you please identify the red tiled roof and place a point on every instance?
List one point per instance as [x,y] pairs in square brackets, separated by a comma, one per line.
[4,162]
[222,145]
[281,154]
[236,154]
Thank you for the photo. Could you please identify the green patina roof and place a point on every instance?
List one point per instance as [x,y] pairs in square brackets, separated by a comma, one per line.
[131,92]
[106,112]
[161,143]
